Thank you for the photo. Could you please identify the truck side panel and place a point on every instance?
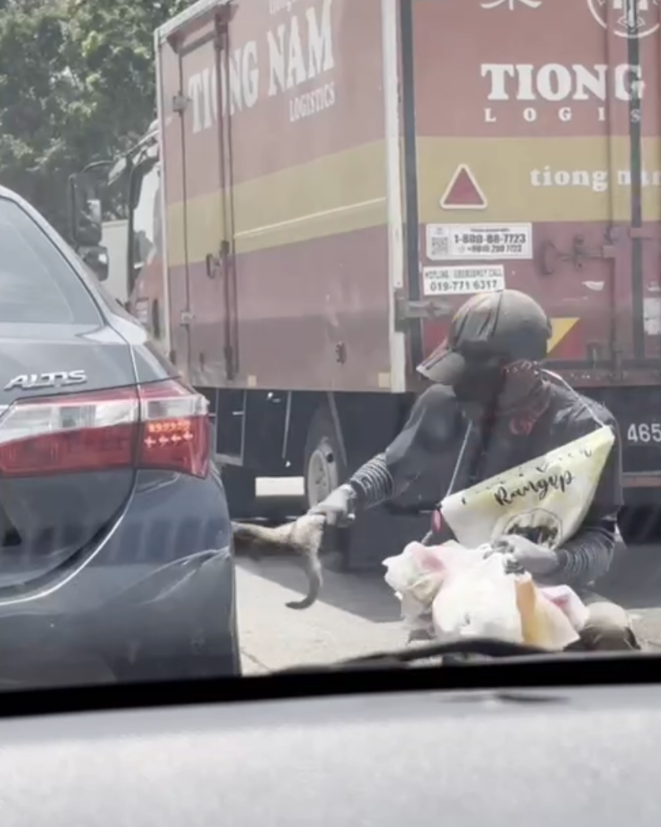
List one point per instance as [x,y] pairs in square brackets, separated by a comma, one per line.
[285,251]
[172,178]
[532,108]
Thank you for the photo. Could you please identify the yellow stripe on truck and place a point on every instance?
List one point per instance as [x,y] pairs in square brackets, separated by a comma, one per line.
[539,179]
[561,328]
[523,180]
[335,194]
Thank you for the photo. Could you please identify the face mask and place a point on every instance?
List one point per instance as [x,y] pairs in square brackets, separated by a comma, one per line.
[480,383]
[522,382]
[515,390]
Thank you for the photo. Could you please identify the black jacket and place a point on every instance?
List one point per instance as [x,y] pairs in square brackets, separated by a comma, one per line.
[430,443]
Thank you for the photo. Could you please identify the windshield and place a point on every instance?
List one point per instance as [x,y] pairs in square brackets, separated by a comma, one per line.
[386,368]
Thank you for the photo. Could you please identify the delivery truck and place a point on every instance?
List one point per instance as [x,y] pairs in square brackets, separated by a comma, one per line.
[328,180]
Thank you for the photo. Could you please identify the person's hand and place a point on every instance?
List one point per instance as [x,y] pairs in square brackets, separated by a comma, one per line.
[339,507]
[522,554]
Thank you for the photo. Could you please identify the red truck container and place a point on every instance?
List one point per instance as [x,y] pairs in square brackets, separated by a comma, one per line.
[329,179]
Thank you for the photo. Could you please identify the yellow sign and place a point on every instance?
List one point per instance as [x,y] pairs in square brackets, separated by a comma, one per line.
[561,328]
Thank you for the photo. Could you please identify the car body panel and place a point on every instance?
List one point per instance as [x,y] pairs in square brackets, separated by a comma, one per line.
[142,585]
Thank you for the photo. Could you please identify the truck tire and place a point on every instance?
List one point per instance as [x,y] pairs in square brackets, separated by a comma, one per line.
[323,468]
[323,471]
[377,533]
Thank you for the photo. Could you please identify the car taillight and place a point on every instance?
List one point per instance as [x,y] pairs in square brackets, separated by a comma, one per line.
[162,425]
[174,429]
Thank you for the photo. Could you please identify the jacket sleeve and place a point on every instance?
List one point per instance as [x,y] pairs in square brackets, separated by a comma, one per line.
[433,424]
[587,555]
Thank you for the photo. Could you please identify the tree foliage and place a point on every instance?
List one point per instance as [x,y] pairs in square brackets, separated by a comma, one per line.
[77,85]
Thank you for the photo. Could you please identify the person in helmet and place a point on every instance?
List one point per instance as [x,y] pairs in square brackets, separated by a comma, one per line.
[491,406]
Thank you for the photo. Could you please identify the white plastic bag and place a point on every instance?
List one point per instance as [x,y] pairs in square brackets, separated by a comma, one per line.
[483,600]
[569,603]
[453,591]
[544,624]
[416,570]
[478,601]
[417,574]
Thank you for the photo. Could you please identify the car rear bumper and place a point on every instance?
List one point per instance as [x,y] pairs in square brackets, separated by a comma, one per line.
[154,600]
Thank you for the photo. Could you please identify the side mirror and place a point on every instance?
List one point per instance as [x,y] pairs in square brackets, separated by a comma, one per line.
[96,258]
[85,215]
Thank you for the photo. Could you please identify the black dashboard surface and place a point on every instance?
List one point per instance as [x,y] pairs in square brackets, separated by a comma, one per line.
[555,758]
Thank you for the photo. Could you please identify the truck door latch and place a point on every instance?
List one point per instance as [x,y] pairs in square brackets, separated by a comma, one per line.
[179,102]
[215,263]
[408,310]
[551,258]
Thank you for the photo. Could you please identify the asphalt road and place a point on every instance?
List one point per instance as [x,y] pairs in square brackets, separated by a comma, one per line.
[358,614]
[355,614]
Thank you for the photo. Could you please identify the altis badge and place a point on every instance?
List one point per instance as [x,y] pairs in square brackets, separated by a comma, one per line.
[55,379]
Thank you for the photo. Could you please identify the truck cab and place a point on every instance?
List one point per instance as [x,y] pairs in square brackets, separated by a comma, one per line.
[145,278]
[132,180]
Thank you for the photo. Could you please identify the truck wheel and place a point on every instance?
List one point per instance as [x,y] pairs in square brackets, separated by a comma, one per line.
[240,488]
[323,467]
[377,533]
[323,471]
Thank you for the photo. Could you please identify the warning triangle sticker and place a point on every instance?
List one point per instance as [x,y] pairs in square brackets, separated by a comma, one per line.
[463,192]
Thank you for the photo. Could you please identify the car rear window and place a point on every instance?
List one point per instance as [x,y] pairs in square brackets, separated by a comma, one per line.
[37,283]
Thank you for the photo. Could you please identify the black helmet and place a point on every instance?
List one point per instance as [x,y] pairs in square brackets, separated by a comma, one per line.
[506,323]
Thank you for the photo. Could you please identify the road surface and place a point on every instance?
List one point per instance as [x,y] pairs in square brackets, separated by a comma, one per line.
[355,614]
[358,614]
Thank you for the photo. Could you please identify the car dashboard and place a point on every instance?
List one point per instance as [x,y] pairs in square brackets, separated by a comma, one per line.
[558,756]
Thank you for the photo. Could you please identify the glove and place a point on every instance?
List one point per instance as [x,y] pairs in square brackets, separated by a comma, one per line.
[522,554]
[339,507]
